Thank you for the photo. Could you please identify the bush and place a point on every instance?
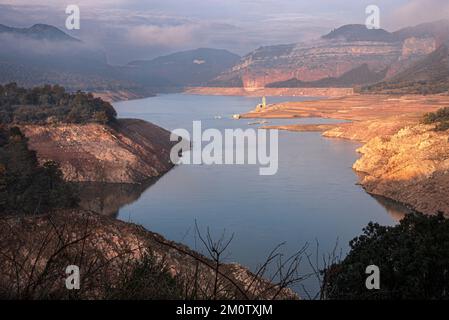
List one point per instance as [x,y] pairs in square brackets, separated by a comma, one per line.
[413,258]
[440,118]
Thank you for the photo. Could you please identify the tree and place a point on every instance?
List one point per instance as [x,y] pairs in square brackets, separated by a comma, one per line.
[38,105]
[413,258]
[25,186]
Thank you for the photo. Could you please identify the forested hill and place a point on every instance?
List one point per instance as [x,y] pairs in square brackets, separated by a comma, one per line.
[51,104]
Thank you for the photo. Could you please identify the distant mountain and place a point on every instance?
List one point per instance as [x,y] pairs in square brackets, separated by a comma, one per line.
[437,29]
[361,75]
[44,54]
[187,68]
[359,32]
[38,32]
[350,55]
[429,75]
[325,60]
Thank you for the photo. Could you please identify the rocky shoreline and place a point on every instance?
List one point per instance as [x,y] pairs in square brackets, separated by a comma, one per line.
[126,151]
[401,159]
[44,245]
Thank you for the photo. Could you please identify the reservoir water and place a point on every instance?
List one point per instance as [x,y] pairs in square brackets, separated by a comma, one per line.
[313,197]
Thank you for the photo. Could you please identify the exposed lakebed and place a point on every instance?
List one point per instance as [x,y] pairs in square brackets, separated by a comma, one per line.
[313,196]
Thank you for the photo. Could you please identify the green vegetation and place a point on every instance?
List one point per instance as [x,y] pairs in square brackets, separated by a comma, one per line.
[413,258]
[440,118]
[424,87]
[25,186]
[51,104]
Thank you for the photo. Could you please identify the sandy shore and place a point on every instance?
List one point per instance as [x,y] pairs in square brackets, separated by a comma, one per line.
[402,159]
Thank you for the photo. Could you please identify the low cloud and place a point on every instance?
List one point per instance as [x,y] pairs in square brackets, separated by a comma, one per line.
[167,36]
[134,29]
[418,11]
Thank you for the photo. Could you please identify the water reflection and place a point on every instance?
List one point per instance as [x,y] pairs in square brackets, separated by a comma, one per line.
[396,210]
[108,198]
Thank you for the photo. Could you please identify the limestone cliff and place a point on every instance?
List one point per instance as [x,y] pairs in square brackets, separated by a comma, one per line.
[323,59]
[128,151]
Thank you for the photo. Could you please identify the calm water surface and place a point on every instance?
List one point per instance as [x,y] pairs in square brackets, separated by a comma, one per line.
[313,196]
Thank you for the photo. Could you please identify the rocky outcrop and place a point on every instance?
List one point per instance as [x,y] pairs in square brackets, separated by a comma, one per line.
[411,167]
[36,249]
[128,151]
[401,160]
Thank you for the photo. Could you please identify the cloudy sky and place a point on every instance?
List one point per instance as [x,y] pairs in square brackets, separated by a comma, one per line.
[142,29]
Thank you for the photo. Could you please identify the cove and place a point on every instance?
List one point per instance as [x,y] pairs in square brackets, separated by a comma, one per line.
[313,196]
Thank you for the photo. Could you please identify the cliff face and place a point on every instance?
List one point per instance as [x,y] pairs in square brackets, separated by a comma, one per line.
[322,59]
[130,151]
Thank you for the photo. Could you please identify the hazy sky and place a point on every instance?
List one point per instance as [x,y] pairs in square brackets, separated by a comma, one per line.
[137,29]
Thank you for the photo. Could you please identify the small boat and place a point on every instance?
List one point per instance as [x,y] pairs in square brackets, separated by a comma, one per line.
[217,117]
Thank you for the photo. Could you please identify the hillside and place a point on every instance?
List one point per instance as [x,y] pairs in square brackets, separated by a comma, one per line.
[437,29]
[357,76]
[187,68]
[82,135]
[109,252]
[44,54]
[427,76]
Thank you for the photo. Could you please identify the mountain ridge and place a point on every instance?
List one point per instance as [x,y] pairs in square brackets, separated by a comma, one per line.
[330,61]
[185,68]
[334,54]
[39,31]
